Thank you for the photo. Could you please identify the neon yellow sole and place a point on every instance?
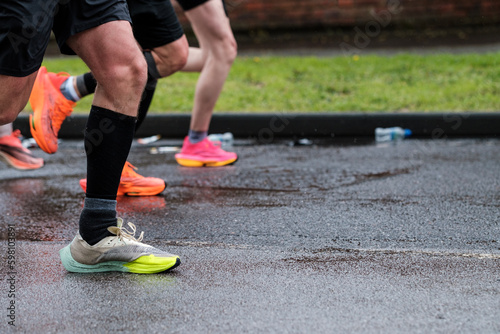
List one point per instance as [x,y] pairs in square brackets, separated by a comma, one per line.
[151,264]
[148,264]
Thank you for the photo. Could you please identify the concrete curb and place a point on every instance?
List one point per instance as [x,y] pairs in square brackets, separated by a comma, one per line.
[266,127]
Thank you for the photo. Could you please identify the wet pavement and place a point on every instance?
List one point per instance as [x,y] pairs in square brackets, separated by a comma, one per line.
[345,237]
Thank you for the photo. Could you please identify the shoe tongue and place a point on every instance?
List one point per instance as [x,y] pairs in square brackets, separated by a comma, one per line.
[129,171]
[119,222]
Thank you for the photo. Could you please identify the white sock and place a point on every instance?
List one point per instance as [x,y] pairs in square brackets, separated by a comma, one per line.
[6,130]
[68,89]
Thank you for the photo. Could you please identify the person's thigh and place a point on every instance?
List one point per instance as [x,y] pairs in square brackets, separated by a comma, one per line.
[76,16]
[117,63]
[106,46]
[210,24]
[157,29]
[14,95]
[100,32]
[171,57]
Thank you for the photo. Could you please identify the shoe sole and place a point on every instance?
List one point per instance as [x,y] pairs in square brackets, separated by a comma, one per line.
[149,264]
[141,193]
[35,119]
[17,164]
[38,135]
[197,163]
[147,192]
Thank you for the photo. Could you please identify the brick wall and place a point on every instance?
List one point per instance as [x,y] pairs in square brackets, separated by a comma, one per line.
[285,14]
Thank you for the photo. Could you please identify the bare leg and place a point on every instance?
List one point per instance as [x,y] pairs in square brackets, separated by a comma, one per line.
[120,74]
[18,87]
[214,59]
[171,57]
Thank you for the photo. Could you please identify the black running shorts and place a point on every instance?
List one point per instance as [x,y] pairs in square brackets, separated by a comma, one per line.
[155,22]
[25,28]
[190,4]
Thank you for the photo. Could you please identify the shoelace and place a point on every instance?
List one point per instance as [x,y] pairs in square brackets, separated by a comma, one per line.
[121,232]
[129,171]
[62,110]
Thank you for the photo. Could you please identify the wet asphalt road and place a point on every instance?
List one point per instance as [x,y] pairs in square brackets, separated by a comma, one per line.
[358,238]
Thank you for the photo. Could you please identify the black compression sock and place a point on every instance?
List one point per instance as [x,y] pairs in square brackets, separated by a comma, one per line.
[149,90]
[108,137]
[147,97]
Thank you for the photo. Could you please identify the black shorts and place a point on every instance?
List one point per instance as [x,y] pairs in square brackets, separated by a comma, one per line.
[154,22]
[25,27]
[190,4]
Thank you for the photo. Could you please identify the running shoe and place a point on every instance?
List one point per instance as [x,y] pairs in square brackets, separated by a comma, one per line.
[204,153]
[13,153]
[133,184]
[120,252]
[50,108]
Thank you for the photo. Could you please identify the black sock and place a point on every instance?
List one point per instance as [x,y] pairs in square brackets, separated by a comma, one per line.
[149,90]
[147,97]
[97,215]
[86,84]
[108,137]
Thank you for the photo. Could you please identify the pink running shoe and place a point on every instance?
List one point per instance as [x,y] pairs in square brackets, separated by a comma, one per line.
[204,153]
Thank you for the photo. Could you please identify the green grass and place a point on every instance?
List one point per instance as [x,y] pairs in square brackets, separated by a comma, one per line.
[401,83]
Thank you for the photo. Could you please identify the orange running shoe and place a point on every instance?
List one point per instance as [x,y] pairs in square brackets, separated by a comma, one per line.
[133,184]
[50,108]
[204,153]
[16,155]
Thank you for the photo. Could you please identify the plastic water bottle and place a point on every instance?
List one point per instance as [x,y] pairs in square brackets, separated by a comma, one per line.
[391,134]
[226,139]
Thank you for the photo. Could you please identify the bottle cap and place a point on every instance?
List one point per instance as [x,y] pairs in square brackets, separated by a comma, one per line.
[407,132]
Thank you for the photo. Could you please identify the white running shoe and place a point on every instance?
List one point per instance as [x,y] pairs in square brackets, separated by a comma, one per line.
[121,252]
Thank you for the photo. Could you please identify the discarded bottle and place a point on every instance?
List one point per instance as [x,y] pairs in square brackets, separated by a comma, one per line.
[148,140]
[225,139]
[391,134]
[164,149]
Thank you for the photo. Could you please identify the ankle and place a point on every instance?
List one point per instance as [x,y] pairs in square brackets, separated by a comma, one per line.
[97,215]
[69,90]
[196,136]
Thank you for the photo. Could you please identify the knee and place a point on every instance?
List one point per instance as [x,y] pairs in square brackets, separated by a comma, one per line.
[126,77]
[229,50]
[172,57]
[232,49]
[179,58]
[136,74]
